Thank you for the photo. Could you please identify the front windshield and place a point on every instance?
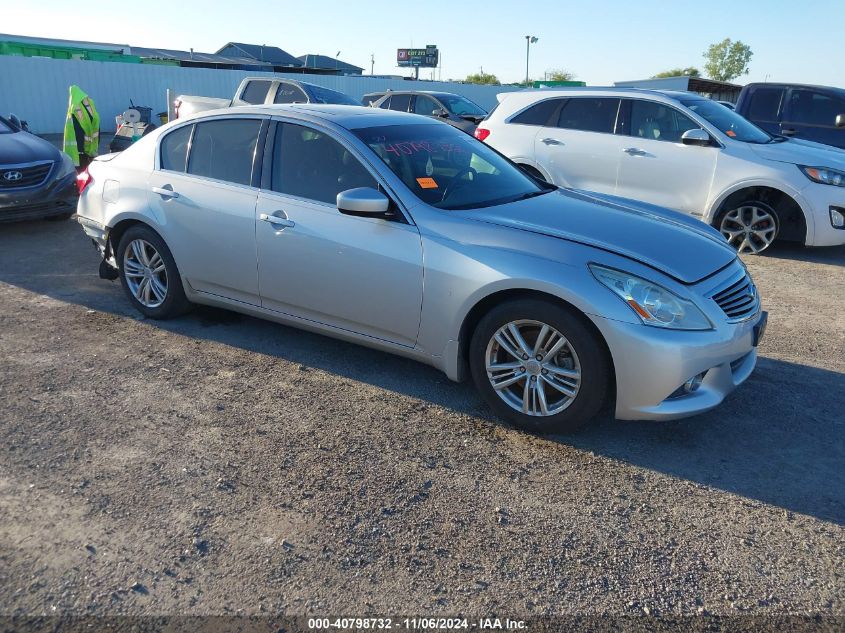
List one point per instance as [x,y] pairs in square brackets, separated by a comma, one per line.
[461,106]
[326,95]
[448,168]
[727,121]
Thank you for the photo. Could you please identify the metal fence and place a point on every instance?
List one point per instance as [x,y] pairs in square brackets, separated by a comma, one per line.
[36,88]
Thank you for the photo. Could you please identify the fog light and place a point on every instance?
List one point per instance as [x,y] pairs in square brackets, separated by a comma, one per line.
[837,218]
[692,385]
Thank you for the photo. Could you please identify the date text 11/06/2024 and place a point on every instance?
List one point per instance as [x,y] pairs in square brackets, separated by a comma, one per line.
[416,623]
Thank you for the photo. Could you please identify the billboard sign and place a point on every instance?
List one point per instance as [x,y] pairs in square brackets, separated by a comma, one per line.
[427,57]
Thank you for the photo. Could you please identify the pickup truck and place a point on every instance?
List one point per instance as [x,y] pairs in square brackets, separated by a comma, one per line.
[810,113]
[263,90]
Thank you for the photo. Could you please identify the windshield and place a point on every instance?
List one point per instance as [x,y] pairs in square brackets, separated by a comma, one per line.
[447,168]
[727,121]
[461,105]
[325,95]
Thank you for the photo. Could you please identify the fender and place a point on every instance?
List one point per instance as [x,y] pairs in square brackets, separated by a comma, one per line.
[529,161]
[784,188]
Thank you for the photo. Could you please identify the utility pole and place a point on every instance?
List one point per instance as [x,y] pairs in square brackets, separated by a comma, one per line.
[529,40]
[372,63]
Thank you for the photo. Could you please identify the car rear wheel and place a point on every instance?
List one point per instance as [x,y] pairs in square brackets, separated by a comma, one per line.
[149,275]
[539,366]
[750,227]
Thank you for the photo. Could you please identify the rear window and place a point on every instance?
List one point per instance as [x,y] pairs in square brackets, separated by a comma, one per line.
[538,114]
[256,92]
[327,95]
[765,104]
[174,149]
[224,150]
[589,114]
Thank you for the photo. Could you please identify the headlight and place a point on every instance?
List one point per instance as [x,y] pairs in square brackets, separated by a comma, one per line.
[653,303]
[67,166]
[824,175]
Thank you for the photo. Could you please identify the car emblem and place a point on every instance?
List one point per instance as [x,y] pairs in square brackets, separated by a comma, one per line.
[12,176]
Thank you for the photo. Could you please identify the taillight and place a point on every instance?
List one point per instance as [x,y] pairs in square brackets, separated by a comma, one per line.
[176,104]
[83,179]
[481,133]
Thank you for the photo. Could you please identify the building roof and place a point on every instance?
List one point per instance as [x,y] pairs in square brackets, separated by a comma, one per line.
[324,61]
[682,82]
[50,41]
[267,54]
[196,57]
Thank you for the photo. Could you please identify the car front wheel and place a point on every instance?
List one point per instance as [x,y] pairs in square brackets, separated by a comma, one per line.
[539,366]
[750,227]
[149,275]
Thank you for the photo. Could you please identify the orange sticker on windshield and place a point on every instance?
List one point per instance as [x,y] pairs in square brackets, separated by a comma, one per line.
[731,133]
[427,183]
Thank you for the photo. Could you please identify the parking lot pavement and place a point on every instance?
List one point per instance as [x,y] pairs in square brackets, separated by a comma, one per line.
[216,463]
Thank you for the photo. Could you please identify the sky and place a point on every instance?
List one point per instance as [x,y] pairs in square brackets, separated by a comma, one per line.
[600,41]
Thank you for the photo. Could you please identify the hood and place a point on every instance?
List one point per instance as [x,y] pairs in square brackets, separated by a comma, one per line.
[679,246]
[800,152]
[23,147]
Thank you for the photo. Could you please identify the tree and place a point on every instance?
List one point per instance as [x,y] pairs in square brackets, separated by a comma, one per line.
[559,74]
[482,78]
[689,71]
[727,60]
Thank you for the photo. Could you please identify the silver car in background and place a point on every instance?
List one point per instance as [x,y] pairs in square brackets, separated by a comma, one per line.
[404,234]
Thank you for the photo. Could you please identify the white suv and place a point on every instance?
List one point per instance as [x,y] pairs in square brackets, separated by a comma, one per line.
[681,151]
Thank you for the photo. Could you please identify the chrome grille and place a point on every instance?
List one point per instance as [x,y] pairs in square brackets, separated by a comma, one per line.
[13,177]
[739,299]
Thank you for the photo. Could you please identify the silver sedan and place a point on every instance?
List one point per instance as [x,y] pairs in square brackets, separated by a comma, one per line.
[404,234]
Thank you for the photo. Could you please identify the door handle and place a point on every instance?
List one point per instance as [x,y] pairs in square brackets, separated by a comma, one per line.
[788,131]
[634,151]
[551,141]
[164,192]
[277,220]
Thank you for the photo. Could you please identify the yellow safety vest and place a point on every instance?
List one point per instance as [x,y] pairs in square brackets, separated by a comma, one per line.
[81,108]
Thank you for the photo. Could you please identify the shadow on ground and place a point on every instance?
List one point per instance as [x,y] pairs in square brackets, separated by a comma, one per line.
[830,255]
[779,439]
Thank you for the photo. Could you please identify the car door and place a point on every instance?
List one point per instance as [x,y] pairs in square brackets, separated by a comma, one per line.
[426,106]
[202,191]
[360,274]
[655,166]
[399,102]
[765,108]
[811,115]
[579,148]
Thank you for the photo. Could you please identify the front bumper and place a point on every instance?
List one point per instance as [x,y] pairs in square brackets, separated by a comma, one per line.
[651,364]
[57,197]
[820,199]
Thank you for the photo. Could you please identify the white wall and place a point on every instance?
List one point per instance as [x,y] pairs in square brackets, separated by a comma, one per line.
[36,88]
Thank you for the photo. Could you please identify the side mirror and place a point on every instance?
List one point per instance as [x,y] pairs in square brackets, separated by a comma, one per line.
[696,137]
[840,120]
[441,113]
[363,201]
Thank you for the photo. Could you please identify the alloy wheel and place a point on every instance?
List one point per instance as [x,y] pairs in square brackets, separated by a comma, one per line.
[533,368]
[749,228]
[145,272]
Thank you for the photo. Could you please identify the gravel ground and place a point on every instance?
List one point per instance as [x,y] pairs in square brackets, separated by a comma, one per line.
[218,464]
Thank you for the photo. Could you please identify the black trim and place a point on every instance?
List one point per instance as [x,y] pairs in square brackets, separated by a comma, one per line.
[258,155]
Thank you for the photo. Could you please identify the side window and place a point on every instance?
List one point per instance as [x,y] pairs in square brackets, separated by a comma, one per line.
[385,105]
[310,164]
[224,149]
[538,114]
[400,102]
[425,105]
[765,104]
[814,108]
[288,93]
[255,92]
[590,114]
[174,149]
[658,122]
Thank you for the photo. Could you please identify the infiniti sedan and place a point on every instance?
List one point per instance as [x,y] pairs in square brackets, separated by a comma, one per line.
[405,234]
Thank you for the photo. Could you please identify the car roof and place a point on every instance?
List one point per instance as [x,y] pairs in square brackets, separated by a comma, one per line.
[770,84]
[347,116]
[527,97]
[433,93]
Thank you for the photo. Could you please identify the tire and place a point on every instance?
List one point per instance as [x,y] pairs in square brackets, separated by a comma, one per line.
[137,277]
[749,237]
[582,353]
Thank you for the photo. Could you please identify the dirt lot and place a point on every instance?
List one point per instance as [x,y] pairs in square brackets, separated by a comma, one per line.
[219,464]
